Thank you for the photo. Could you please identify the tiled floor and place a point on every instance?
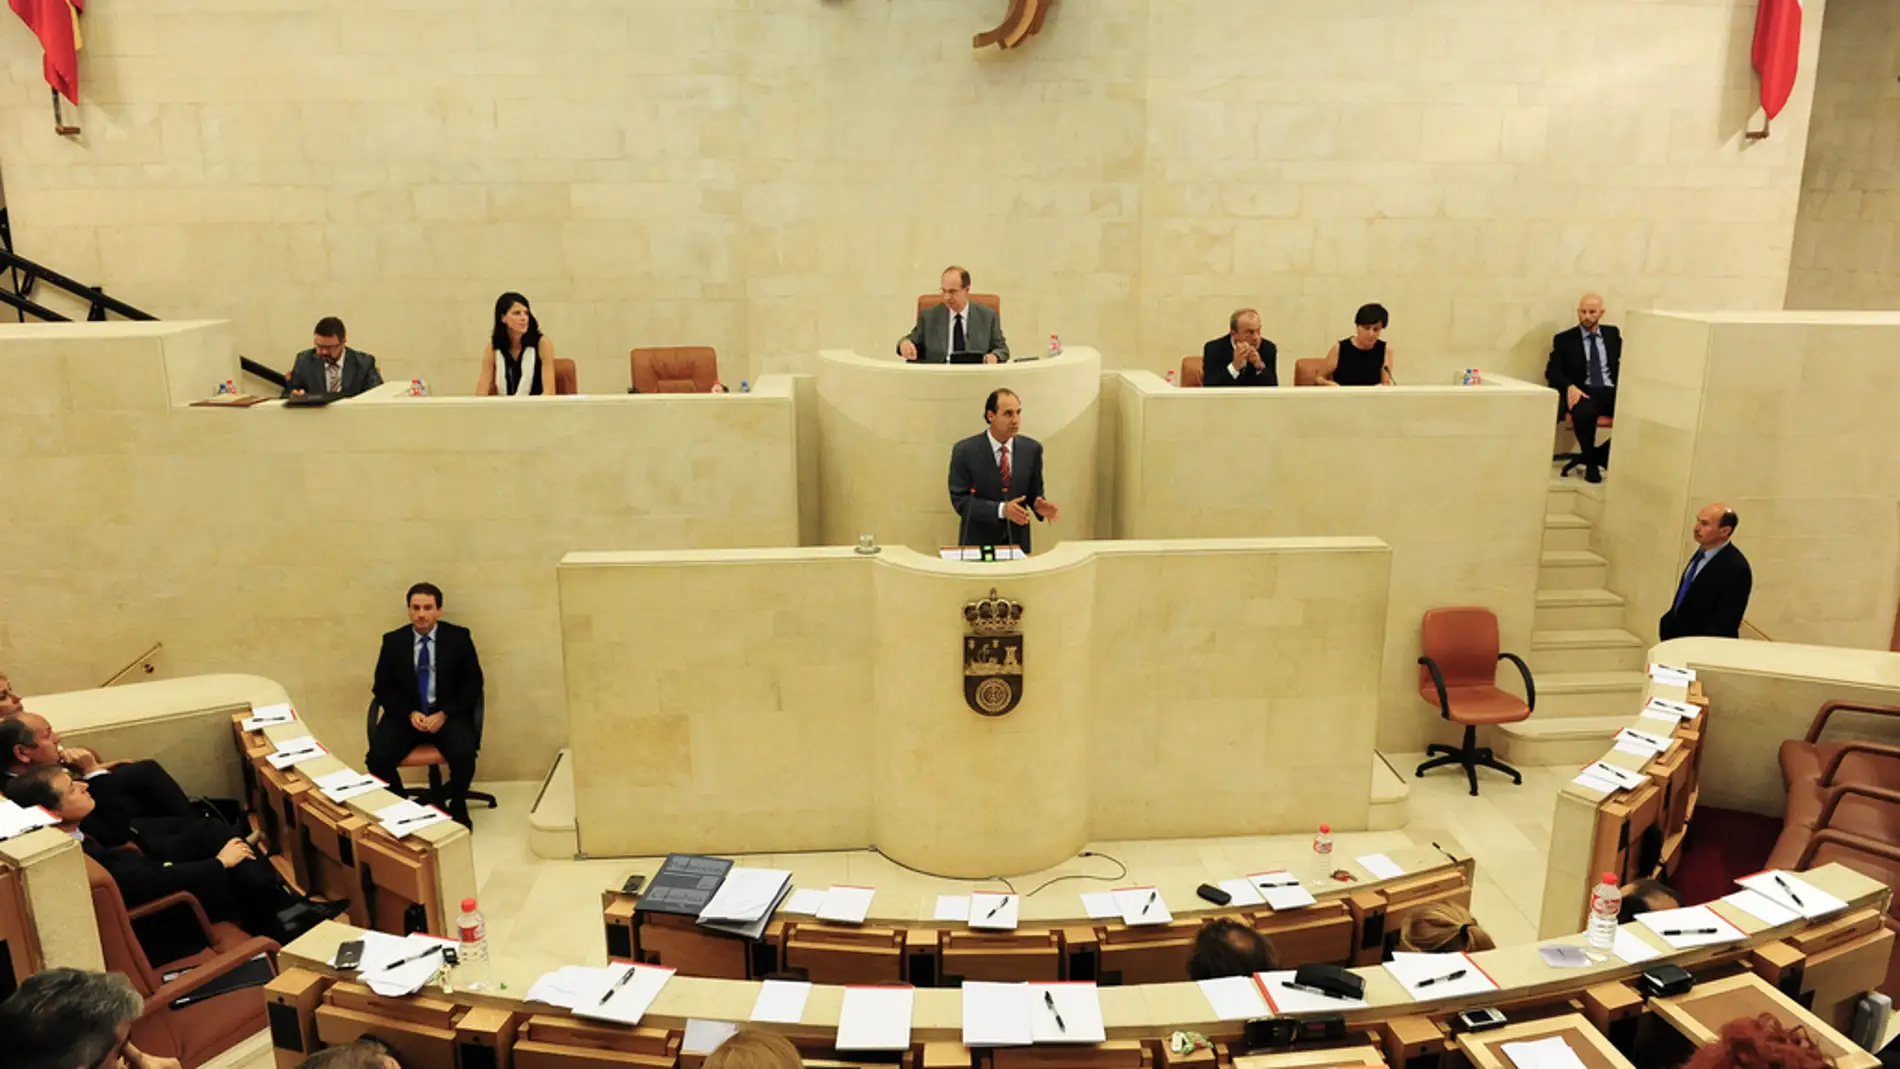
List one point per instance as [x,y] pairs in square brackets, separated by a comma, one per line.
[550,910]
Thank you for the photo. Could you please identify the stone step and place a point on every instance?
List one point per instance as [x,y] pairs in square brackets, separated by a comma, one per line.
[1566,530]
[1562,502]
[1572,569]
[1604,649]
[1571,694]
[1568,610]
[1573,740]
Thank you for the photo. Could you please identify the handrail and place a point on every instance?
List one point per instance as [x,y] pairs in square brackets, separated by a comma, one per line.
[143,660]
[95,297]
[1763,635]
[268,374]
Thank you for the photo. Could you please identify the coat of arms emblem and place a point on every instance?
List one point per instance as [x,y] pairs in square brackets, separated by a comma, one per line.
[993,655]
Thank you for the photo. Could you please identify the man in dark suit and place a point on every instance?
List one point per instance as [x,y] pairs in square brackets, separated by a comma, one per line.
[1583,368]
[332,367]
[1242,357]
[1713,592]
[132,797]
[955,326]
[996,479]
[428,681]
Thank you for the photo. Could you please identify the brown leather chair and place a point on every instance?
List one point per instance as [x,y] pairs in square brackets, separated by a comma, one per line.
[1458,673]
[1809,758]
[197,1031]
[1864,812]
[566,380]
[674,369]
[987,300]
[1306,372]
[1191,371]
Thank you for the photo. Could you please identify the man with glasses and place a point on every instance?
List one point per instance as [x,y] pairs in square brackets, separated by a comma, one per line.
[332,367]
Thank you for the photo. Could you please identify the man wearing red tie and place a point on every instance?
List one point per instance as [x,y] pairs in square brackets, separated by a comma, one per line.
[996,479]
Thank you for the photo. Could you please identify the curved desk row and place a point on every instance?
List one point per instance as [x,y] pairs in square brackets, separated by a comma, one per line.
[1823,964]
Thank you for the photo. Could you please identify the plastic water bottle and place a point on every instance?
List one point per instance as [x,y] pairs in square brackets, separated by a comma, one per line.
[1606,901]
[1170,376]
[1055,345]
[471,970]
[745,386]
[1323,853]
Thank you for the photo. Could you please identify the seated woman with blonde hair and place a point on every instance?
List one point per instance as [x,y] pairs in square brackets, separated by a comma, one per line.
[755,1050]
[1442,928]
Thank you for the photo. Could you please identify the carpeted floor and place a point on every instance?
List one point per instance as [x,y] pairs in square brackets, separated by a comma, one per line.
[1722,845]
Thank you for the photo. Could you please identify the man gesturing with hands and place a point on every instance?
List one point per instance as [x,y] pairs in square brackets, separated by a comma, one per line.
[1242,357]
[996,479]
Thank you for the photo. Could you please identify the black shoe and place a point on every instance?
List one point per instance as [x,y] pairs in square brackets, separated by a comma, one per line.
[1592,476]
[458,812]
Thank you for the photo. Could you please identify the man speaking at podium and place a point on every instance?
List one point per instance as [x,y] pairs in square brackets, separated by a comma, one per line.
[996,479]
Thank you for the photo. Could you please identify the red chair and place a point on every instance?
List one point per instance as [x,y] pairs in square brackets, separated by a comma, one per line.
[1458,673]
[1191,371]
[674,369]
[429,757]
[1573,461]
[1809,758]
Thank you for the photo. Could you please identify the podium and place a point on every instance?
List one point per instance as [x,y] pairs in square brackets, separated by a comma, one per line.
[983,553]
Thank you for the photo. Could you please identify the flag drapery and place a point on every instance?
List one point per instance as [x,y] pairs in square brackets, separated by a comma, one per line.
[56,24]
[1777,51]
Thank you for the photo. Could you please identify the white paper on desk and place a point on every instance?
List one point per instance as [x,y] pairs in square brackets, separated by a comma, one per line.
[1549,1053]
[1634,748]
[1564,956]
[1282,890]
[1678,711]
[1596,781]
[379,948]
[1100,904]
[952,908]
[1079,1006]
[295,752]
[1242,892]
[1656,743]
[1381,866]
[875,1018]
[408,817]
[346,783]
[1762,908]
[704,1037]
[1142,905]
[1658,722]
[992,909]
[1623,777]
[1670,675]
[781,1001]
[745,895]
[805,902]
[626,1002]
[996,1015]
[1234,998]
[407,978]
[1284,999]
[1697,918]
[1814,901]
[263,716]
[846,903]
[564,986]
[1412,971]
[1633,948]
[18,820]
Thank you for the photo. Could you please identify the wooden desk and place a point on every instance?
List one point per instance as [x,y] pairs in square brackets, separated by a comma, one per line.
[1700,1015]
[1326,1058]
[1590,1045]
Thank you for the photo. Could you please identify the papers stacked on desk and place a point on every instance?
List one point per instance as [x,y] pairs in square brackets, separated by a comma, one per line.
[1100,905]
[295,751]
[1281,890]
[846,904]
[1242,892]
[1381,866]
[1690,926]
[746,900]
[1677,711]
[1641,743]
[1672,676]
[1234,998]
[1550,1053]
[1632,948]
[345,784]
[1793,892]
[994,910]
[407,817]
[1017,1015]
[781,1001]
[1600,776]
[621,993]
[1284,996]
[1431,976]
[875,1018]
[263,716]
[18,820]
[397,965]
[1142,905]
[1762,908]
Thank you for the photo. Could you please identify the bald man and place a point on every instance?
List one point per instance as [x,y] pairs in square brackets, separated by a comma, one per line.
[1712,593]
[1584,363]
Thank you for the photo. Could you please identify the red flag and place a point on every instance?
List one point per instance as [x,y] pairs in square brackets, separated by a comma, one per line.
[1777,51]
[53,22]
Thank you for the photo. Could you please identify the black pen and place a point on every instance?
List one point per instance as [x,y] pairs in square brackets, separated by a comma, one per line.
[1152,895]
[1263,885]
[1691,931]
[1001,901]
[1049,1000]
[1440,979]
[411,820]
[1291,986]
[411,959]
[620,983]
[1790,890]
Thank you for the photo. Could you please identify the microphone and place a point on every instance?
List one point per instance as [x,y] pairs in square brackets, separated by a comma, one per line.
[963,523]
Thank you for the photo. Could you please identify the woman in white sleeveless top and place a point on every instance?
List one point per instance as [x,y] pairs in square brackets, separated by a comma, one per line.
[523,352]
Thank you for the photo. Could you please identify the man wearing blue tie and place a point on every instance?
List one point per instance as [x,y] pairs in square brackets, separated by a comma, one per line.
[1583,368]
[428,681]
[1712,591]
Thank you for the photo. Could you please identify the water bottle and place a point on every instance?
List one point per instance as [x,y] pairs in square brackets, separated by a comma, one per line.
[1055,345]
[1323,853]
[1170,376]
[471,970]
[1605,903]
[745,386]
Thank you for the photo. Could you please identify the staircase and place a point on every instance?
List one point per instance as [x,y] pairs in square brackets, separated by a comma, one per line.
[1589,670]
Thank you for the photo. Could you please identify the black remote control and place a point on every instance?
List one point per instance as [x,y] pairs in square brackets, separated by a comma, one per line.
[1213,894]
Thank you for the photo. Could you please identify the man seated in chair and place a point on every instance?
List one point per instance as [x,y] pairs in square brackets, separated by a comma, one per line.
[1241,357]
[955,326]
[1583,368]
[133,797]
[428,681]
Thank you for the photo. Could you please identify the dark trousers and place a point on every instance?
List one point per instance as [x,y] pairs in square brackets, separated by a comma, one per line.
[395,737]
[248,894]
[1596,401]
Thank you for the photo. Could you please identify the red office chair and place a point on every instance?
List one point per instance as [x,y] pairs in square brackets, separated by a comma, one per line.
[1573,461]
[1459,674]
[429,757]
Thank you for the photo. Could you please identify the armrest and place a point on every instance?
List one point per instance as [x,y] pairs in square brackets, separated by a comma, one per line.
[1874,748]
[1827,710]
[172,901]
[1834,796]
[1530,688]
[1438,680]
[1884,851]
[204,974]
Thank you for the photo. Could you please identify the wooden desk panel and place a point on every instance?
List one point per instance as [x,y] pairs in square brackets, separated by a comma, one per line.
[1700,1015]
[1592,1048]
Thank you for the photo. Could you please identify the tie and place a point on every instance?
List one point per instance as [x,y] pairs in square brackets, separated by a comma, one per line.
[1002,461]
[422,670]
[333,375]
[956,335]
[1688,576]
[1594,343]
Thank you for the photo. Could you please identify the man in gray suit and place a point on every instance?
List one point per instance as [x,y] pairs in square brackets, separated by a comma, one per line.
[955,326]
[332,367]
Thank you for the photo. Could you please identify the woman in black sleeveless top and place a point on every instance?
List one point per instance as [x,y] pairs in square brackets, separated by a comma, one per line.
[519,358]
[1363,359]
